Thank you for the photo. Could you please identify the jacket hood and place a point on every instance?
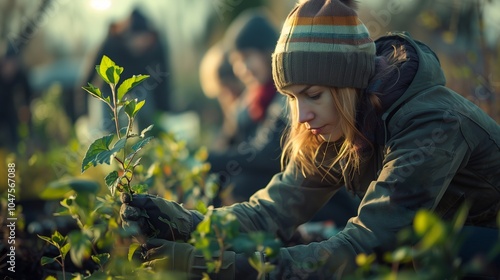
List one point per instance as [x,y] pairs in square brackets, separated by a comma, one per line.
[428,68]
[421,70]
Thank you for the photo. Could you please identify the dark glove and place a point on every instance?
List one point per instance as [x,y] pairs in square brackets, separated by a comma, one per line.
[155,217]
[160,254]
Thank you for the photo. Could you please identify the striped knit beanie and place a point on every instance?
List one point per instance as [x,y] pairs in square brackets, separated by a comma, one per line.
[323,42]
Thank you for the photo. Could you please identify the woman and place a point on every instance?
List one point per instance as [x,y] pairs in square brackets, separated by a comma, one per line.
[374,116]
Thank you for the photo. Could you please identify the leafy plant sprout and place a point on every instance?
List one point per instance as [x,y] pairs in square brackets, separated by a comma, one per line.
[102,150]
[62,245]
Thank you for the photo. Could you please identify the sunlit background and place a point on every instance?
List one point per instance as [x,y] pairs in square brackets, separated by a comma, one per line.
[63,34]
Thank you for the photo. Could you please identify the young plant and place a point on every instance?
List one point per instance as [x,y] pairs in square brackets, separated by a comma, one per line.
[96,216]
[62,245]
[219,231]
[103,150]
[95,219]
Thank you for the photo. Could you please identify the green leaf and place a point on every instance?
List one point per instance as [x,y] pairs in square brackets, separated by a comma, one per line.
[402,255]
[99,146]
[46,239]
[132,107]
[139,145]
[111,180]
[204,225]
[460,217]
[95,92]
[80,247]
[143,132]
[365,260]
[140,188]
[101,259]
[47,260]
[110,74]
[203,243]
[498,220]
[123,130]
[428,226]
[131,250]
[99,151]
[67,202]
[137,162]
[58,238]
[201,154]
[435,236]
[129,84]
[201,207]
[59,189]
[65,250]
[109,71]
[255,262]
[269,267]
[423,222]
[211,266]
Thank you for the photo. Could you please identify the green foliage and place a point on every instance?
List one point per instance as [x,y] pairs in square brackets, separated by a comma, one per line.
[219,231]
[58,189]
[62,245]
[173,173]
[96,217]
[99,152]
[428,250]
[102,150]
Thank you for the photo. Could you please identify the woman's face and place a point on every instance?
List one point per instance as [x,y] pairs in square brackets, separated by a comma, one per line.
[316,110]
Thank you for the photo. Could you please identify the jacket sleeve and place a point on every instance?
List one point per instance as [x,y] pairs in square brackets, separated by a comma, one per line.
[420,160]
[288,201]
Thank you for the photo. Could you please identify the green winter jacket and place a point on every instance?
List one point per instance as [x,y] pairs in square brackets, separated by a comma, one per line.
[438,151]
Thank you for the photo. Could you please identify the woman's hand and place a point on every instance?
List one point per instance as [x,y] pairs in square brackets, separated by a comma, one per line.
[154,217]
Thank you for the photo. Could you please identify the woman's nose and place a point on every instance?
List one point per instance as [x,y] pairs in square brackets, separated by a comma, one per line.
[304,112]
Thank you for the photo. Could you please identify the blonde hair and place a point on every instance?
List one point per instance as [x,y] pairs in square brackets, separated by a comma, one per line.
[303,148]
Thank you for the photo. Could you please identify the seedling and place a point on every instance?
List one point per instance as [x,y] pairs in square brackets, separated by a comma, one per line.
[108,148]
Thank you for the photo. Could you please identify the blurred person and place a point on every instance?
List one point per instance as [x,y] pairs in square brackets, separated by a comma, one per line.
[134,45]
[218,81]
[15,99]
[252,157]
[375,116]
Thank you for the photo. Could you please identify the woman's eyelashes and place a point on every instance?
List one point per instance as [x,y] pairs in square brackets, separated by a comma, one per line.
[314,96]
[310,95]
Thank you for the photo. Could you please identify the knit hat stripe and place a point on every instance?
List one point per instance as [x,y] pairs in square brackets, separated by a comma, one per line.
[358,31]
[315,36]
[325,45]
[328,20]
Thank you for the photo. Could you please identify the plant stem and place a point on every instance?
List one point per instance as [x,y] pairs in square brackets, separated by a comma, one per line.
[129,127]
[62,265]
[120,161]
[220,241]
[115,110]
